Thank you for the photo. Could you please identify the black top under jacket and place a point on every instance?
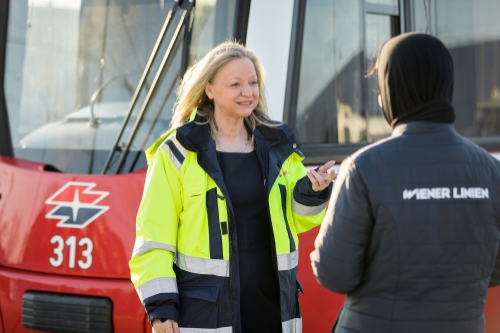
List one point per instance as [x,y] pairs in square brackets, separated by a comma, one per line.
[260,298]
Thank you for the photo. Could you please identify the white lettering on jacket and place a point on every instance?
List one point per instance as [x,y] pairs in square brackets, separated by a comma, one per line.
[446,193]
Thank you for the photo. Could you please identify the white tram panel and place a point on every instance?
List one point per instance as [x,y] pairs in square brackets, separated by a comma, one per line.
[269,34]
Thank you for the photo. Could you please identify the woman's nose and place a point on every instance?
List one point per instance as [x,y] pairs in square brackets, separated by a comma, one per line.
[247,90]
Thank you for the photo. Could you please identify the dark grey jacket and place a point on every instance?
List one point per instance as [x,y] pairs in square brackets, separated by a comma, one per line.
[412,234]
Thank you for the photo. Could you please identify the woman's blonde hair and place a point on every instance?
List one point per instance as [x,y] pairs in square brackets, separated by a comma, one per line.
[191,92]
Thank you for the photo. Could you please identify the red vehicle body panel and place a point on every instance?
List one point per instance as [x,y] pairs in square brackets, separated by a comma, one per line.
[1,322]
[128,314]
[25,249]
[25,188]
[319,306]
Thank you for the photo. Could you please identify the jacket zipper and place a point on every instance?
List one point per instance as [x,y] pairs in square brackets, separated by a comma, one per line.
[273,245]
[273,241]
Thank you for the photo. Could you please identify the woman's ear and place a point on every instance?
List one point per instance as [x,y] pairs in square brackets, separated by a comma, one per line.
[208,91]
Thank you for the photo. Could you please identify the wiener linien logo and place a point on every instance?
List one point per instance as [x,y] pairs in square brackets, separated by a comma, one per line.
[446,193]
[76,205]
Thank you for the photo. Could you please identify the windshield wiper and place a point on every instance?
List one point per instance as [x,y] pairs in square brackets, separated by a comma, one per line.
[187,7]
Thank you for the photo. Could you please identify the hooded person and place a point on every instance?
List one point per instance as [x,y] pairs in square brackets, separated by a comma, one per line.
[412,231]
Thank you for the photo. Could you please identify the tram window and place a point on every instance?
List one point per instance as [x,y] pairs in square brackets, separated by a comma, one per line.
[213,25]
[471,31]
[68,61]
[336,103]
[330,91]
[421,16]
[378,30]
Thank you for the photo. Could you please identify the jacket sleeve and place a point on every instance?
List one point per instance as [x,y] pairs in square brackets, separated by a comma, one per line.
[151,265]
[495,276]
[308,206]
[338,260]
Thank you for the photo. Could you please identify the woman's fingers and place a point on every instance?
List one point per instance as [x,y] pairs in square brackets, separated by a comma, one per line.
[321,178]
[157,326]
[325,167]
[313,180]
[176,327]
[332,175]
[169,326]
[319,181]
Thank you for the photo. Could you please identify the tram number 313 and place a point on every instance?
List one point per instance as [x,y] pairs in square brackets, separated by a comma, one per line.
[85,245]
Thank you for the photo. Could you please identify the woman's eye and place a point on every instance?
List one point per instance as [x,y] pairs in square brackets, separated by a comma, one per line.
[236,84]
[254,82]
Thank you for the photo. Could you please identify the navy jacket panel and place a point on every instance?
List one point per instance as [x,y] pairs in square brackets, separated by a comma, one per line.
[412,233]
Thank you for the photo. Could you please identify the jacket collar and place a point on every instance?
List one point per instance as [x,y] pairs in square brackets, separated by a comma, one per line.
[272,144]
[421,127]
[195,136]
[274,134]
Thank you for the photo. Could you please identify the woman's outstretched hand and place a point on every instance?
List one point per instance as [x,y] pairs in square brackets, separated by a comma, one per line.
[169,326]
[322,178]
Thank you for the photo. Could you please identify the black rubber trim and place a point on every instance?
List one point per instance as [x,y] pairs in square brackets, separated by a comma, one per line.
[294,60]
[283,206]
[214,232]
[6,148]
[188,34]
[406,12]
[241,20]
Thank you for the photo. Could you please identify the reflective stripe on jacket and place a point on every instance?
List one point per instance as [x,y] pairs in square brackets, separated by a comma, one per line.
[185,260]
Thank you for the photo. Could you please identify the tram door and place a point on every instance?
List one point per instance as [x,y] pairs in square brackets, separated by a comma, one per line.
[381,23]
[337,99]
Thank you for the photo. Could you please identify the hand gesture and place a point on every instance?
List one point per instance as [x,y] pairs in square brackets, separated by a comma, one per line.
[322,178]
[169,326]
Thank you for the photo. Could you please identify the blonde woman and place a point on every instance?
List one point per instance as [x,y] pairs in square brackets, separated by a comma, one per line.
[225,197]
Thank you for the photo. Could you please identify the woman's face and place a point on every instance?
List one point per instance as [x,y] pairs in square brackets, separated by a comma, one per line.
[235,89]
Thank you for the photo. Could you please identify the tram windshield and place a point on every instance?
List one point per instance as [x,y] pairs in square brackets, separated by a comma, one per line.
[73,66]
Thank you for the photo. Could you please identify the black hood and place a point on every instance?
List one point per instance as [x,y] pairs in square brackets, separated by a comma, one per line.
[415,78]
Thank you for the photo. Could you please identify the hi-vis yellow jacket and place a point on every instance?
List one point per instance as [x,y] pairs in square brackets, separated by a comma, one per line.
[185,260]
